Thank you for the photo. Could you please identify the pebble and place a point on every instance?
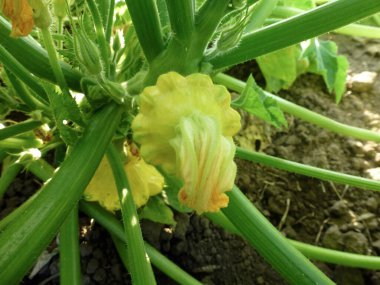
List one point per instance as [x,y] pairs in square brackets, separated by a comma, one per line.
[372,204]
[376,245]
[92,265]
[100,275]
[85,249]
[346,275]
[332,237]
[339,208]
[363,82]
[181,226]
[355,242]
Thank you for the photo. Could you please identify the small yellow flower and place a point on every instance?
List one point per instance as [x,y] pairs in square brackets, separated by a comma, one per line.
[21,15]
[144,180]
[186,125]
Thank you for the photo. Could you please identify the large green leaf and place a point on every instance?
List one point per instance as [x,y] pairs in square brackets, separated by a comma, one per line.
[281,68]
[325,61]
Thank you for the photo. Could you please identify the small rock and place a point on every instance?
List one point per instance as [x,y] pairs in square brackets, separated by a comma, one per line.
[345,275]
[339,208]
[374,173]
[363,82]
[332,237]
[376,245]
[260,280]
[181,227]
[92,265]
[355,242]
[372,224]
[100,275]
[276,204]
[372,204]
[85,249]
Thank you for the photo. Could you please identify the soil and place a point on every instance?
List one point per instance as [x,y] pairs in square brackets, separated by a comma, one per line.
[321,213]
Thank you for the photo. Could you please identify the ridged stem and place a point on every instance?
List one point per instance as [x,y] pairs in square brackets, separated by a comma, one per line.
[270,243]
[140,268]
[304,113]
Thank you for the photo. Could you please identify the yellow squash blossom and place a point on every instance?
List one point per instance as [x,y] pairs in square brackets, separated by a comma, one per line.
[186,125]
[144,180]
[21,14]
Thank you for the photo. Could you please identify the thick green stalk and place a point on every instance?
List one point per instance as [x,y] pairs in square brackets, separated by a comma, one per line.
[189,52]
[113,225]
[8,176]
[260,13]
[140,268]
[69,257]
[270,243]
[337,257]
[54,62]
[181,14]
[304,113]
[307,170]
[311,251]
[102,41]
[315,22]
[30,99]
[20,143]
[29,53]
[24,238]
[355,30]
[22,73]
[122,249]
[206,22]
[109,23]
[19,128]
[59,32]
[145,19]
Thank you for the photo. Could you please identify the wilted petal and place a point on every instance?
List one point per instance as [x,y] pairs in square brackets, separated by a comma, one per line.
[21,15]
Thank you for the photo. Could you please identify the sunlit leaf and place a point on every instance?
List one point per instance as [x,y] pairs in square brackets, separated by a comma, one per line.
[281,68]
[254,100]
[324,60]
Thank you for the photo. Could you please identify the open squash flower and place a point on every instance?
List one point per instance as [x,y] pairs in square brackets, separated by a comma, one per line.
[21,14]
[185,125]
[144,180]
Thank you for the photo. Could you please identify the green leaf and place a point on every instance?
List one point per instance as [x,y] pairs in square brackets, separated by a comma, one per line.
[157,211]
[254,100]
[325,61]
[67,116]
[281,68]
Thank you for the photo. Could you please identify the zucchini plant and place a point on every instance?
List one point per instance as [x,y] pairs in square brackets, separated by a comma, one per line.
[131,100]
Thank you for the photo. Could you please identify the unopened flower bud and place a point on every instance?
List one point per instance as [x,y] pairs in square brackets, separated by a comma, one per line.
[60,7]
[41,14]
[87,52]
